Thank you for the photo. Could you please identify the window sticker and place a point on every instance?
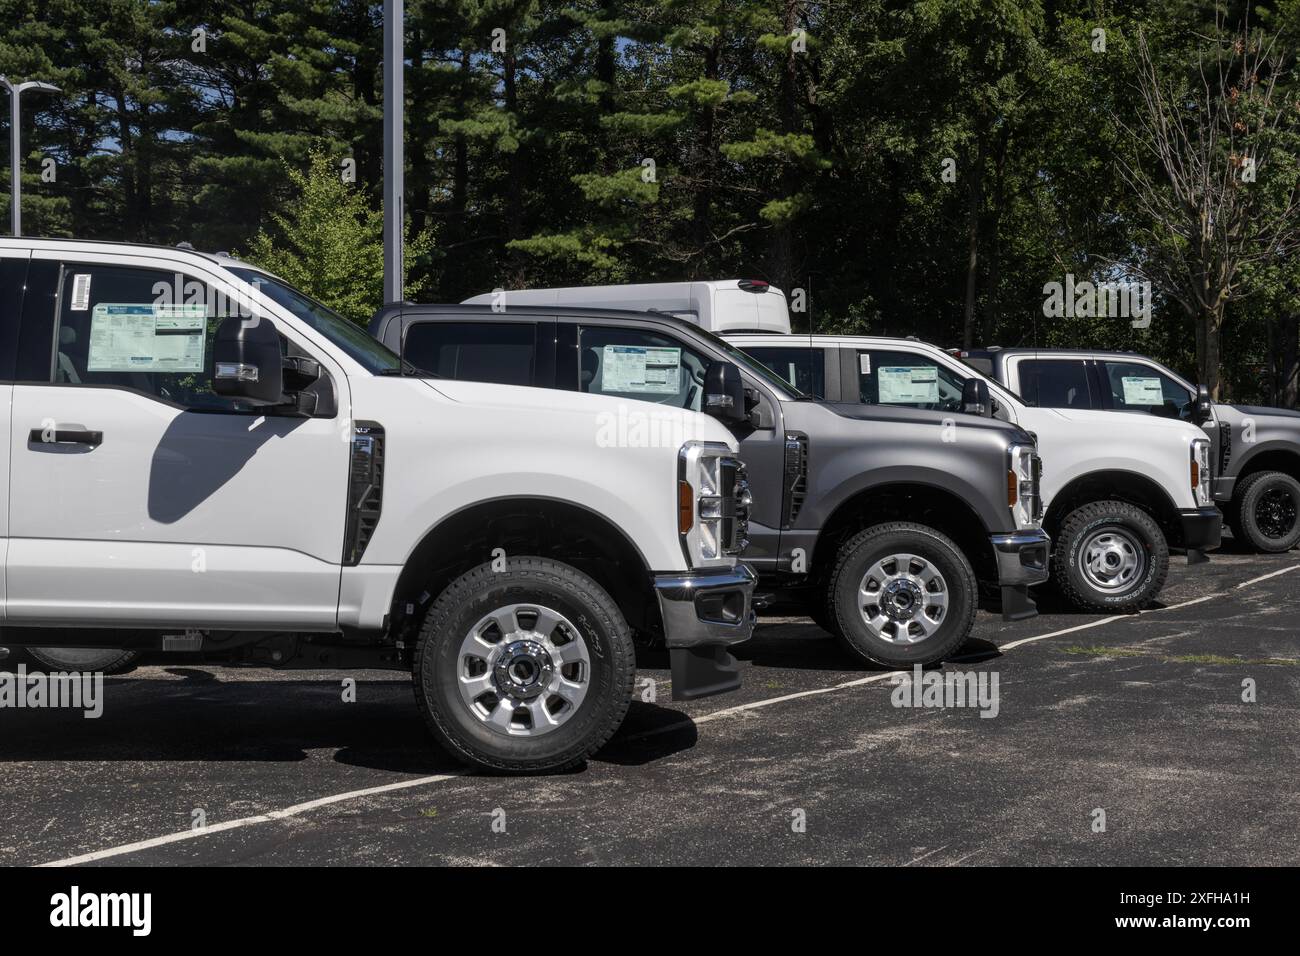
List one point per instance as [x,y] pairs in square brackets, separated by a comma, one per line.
[904,385]
[1142,390]
[636,368]
[864,363]
[80,292]
[144,337]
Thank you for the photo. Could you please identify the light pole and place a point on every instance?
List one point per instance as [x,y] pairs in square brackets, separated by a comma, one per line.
[16,90]
[394,160]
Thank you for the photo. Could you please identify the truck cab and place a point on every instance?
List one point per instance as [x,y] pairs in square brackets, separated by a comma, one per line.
[201,459]
[1117,492]
[1255,450]
[875,521]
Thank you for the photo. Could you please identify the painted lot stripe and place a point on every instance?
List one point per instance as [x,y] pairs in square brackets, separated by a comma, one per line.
[300,808]
[1265,577]
[287,812]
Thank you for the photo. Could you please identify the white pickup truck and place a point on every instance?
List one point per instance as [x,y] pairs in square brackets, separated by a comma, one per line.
[202,459]
[1117,489]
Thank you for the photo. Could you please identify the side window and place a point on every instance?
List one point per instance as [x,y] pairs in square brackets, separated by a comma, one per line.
[1055,383]
[13,272]
[641,365]
[142,329]
[501,352]
[888,377]
[1135,387]
[805,369]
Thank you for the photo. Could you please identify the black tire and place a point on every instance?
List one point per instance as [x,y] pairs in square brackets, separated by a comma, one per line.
[1129,524]
[1263,499]
[859,553]
[86,660]
[526,580]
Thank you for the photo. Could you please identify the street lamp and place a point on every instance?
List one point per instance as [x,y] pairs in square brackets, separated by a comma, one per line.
[16,90]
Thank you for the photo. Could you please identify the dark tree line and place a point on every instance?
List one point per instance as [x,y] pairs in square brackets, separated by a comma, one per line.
[915,167]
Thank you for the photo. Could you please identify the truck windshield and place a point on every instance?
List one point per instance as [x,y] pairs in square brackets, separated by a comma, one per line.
[373,355]
[751,364]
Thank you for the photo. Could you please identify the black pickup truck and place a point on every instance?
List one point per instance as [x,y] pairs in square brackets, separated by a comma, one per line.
[1255,450]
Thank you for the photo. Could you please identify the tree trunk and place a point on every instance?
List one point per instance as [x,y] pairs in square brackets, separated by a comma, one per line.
[975,203]
[781,246]
[1209,326]
[514,174]
[702,202]
[1288,391]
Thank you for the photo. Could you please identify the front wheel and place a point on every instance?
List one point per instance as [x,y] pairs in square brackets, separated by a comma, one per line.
[901,594]
[525,670]
[1110,556]
[1268,512]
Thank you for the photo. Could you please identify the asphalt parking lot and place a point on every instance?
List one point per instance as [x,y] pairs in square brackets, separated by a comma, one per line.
[1140,716]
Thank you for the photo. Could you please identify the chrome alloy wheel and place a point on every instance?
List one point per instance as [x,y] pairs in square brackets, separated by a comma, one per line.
[523,670]
[1112,560]
[903,598]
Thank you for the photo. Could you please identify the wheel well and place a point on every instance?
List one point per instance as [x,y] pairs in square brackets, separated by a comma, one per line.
[1275,460]
[534,526]
[921,504]
[1127,486]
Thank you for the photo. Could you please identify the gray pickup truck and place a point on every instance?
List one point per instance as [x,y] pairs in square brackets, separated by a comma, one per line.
[880,522]
[1255,451]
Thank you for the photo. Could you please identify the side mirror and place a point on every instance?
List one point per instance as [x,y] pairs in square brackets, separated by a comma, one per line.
[1204,407]
[724,394]
[975,398]
[246,361]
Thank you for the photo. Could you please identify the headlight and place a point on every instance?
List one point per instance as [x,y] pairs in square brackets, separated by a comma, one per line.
[1200,471]
[712,504]
[1024,471]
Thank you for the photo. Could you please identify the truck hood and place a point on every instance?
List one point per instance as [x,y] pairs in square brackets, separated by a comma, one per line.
[1264,411]
[1132,422]
[615,421]
[920,416]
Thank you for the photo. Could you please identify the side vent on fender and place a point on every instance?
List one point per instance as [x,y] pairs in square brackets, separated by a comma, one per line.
[1225,447]
[796,476]
[365,489]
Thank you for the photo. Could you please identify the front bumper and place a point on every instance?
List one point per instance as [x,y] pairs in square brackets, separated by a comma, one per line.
[704,613]
[1202,529]
[1022,562]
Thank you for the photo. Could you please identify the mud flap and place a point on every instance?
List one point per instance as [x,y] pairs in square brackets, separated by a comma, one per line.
[1197,556]
[1017,605]
[703,671]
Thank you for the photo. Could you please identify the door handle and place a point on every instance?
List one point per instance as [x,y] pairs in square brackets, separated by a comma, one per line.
[65,436]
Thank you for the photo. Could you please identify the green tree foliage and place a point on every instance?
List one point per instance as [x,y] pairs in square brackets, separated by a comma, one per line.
[919,167]
[329,242]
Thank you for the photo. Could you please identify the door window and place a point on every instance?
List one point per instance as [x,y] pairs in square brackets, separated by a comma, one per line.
[141,329]
[889,377]
[1056,383]
[805,369]
[641,365]
[1137,387]
[500,352]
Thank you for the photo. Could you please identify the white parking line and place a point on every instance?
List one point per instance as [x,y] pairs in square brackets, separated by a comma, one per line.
[292,811]
[299,808]
[1265,577]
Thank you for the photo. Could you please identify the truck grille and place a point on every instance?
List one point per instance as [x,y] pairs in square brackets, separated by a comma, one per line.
[736,501]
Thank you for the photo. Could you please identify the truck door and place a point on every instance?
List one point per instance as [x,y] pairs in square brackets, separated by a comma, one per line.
[13,275]
[140,498]
[653,365]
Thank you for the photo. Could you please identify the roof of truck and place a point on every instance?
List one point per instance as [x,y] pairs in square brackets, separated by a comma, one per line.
[404,312]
